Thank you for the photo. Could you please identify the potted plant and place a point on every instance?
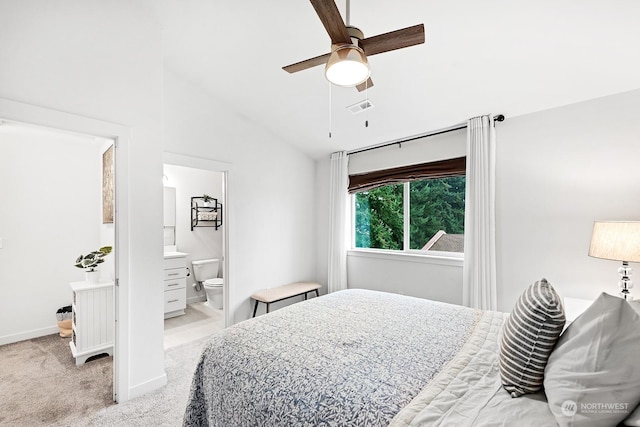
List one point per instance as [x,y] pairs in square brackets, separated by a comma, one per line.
[206,200]
[90,261]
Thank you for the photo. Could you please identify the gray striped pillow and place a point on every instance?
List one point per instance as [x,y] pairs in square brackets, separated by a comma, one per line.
[529,335]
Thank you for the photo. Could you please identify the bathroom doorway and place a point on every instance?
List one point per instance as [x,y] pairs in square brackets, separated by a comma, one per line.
[195,238]
[52,211]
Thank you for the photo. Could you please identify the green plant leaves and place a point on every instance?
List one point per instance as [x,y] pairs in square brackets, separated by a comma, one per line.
[91,260]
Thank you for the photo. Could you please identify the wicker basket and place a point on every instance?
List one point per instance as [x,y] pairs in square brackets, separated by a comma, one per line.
[64,316]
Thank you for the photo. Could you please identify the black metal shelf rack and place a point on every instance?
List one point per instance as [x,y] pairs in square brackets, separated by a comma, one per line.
[201,209]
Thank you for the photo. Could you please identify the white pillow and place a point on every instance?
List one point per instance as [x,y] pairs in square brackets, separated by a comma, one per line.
[634,419]
[592,377]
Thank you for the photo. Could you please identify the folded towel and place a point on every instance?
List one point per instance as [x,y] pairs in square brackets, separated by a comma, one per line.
[207,216]
[64,313]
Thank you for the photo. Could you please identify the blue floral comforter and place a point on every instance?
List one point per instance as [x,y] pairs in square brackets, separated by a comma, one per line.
[350,358]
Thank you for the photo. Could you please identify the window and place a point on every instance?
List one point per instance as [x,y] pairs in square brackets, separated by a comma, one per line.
[379,218]
[437,214]
[419,214]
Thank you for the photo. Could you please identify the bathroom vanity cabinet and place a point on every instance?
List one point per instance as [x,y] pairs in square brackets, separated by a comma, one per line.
[93,320]
[175,284]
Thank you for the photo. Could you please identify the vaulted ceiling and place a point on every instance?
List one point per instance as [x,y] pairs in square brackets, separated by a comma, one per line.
[509,57]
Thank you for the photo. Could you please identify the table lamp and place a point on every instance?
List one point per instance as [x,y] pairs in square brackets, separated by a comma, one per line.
[620,241]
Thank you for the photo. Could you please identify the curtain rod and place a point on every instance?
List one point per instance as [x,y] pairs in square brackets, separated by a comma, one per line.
[497,118]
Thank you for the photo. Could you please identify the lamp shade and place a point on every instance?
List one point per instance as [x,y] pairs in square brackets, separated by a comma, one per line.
[347,66]
[616,240]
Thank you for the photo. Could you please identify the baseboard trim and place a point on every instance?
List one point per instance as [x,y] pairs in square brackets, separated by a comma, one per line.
[27,335]
[197,298]
[148,386]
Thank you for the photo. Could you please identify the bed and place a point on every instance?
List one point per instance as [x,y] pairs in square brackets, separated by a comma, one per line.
[360,358]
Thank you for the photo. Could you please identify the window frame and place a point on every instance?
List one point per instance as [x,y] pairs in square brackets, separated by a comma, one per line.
[406,246]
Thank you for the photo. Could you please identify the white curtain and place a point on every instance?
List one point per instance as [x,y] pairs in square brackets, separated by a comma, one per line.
[479,271]
[338,222]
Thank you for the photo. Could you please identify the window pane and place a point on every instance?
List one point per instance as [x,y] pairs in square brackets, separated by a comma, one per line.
[437,214]
[380,218]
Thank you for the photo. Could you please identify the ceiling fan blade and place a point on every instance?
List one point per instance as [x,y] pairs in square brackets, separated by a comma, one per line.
[332,20]
[307,63]
[365,85]
[398,39]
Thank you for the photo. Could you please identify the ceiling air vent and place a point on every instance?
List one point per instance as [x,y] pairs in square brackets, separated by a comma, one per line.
[360,106]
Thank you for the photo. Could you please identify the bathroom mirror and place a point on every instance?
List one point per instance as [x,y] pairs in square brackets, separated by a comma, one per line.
[169,216]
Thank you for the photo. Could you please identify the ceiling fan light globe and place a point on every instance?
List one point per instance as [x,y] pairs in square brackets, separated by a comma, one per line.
[347,66]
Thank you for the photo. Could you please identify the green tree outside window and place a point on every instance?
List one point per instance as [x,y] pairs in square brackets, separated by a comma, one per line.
[435,205]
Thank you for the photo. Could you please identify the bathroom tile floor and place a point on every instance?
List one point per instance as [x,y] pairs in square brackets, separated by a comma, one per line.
[199,321]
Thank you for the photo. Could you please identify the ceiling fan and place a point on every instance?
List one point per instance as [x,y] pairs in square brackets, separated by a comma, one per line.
[346,64]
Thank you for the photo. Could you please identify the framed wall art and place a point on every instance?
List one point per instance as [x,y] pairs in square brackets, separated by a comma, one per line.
[107,186]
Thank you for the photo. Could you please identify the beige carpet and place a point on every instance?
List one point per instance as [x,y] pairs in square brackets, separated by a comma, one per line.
[163,407]
[41,386]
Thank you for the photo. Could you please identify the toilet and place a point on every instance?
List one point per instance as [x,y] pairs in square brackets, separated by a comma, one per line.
[206,273]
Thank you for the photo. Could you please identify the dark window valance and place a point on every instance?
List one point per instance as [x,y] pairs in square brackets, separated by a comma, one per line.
[440,169]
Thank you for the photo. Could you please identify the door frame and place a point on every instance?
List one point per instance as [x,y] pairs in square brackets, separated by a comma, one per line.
[223,167]
[121,135]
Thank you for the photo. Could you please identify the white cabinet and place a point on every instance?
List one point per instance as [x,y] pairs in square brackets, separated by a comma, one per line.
[175,284]
[93,320]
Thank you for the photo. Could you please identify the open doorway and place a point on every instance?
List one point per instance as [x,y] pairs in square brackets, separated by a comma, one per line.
[194,236]
[121,135]
[52,211]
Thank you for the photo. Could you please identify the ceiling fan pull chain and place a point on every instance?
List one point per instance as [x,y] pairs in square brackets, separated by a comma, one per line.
[366,96]
[329,110]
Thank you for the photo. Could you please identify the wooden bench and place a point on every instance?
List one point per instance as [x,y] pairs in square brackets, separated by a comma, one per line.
[280,293]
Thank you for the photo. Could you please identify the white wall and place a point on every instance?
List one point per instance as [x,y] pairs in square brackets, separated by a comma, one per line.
[51,184]
[433,278]
[201,242]
[103,60]
[557,172]
[271,212]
